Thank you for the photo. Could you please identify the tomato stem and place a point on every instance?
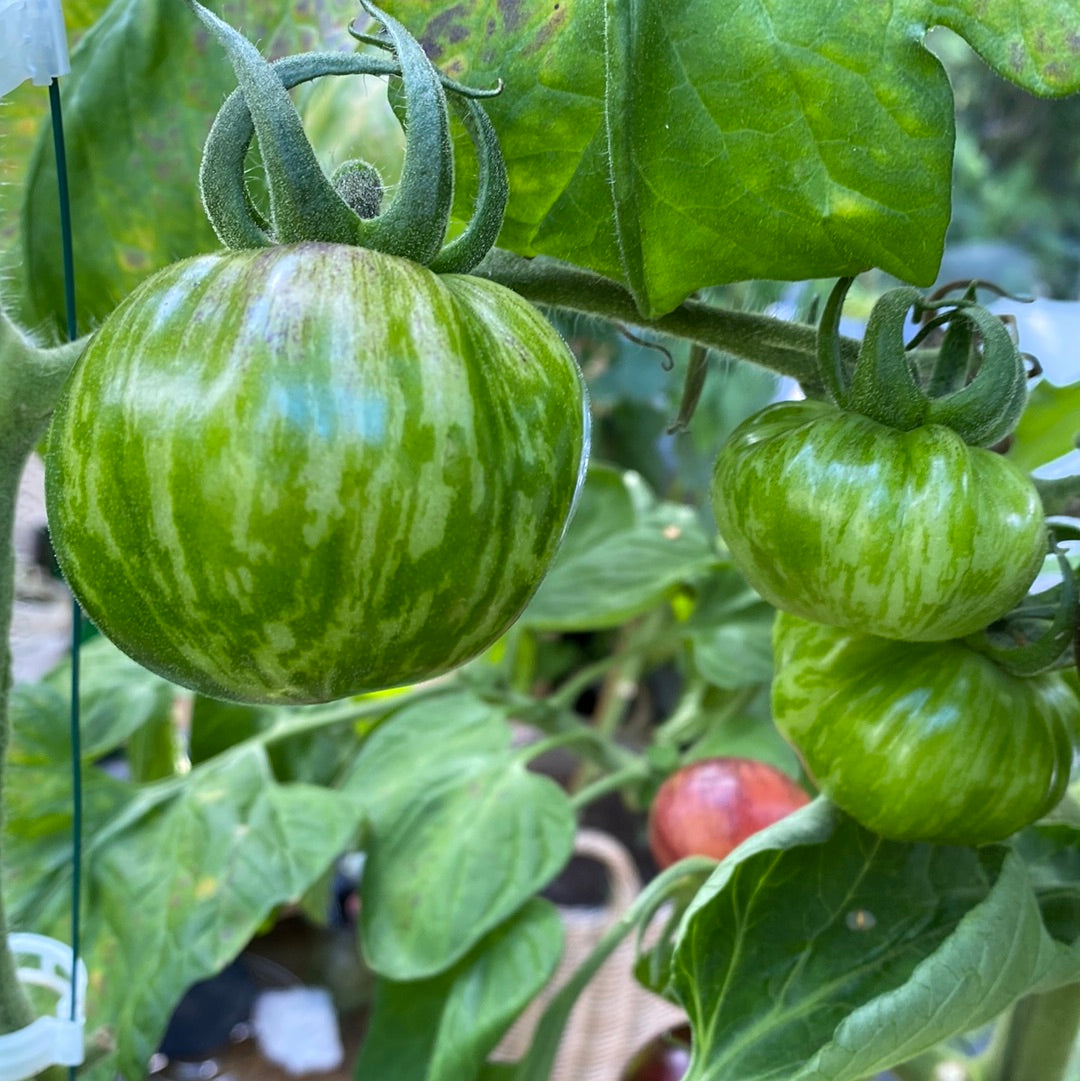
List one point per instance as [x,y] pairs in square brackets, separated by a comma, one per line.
[538,1061]
[564,696]
[613,782]
[784,347]
[15,1010]
[1036,1040]
[303,203]
[30,382]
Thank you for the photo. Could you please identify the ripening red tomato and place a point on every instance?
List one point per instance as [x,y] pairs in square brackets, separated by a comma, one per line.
[710,807]
[664,1059]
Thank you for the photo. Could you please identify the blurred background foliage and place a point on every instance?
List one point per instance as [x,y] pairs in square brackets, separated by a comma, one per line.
[1016,176]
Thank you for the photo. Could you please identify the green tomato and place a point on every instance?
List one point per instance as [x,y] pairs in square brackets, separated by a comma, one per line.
[839,519]
[297,473]
[922,741]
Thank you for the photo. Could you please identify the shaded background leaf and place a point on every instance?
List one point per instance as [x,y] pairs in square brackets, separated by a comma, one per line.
[178,877]
[458,841]
[443,1028]
[624,551]
[730,631]
[1049,427]
[146,81]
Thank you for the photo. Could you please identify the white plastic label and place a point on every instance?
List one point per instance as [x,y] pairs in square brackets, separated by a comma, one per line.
[33,43]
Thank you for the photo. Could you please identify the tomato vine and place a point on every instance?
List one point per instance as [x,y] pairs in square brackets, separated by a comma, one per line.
[664,604]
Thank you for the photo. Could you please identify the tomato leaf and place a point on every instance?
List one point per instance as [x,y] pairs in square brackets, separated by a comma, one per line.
[181,875]
[443,1028]
[730,632]
[874,950]
[623,553]
[145,83]
[458,841]
[671,150]
[117,697]
[1049,427]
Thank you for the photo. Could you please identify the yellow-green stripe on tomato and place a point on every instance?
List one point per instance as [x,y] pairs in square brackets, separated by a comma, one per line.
[904,534]
[922,741]
[301,472]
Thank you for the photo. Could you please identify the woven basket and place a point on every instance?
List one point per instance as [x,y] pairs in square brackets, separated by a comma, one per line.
[615,1015]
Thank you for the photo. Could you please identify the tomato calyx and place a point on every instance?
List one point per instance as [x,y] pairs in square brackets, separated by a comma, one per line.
[306,205]
[1041,633]
[976,385]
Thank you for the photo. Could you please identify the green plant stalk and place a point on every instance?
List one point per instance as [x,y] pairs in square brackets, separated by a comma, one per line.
[922,1068]
[538,1060]
[639,771]
[30,382]
[600,748]
[15,1012]
[1036,1041]
[787,348]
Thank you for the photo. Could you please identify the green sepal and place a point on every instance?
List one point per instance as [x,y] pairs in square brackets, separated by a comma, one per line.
[987,409]
[1044,652]
[954,360]
[466,250]
[236,220]
[239,224]
[884,386]
[414,224]
[303,203]
[834,375]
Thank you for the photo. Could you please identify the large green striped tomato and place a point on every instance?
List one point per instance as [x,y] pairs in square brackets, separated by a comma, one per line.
[301,472]
[906,534]
[922,741]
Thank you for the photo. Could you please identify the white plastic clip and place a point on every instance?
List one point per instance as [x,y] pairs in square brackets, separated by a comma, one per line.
[33,43]
[48,1041]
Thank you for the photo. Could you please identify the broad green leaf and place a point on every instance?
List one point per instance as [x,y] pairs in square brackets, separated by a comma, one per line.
[461,833]
[145,83]
[623,554]
[177,878]
[38,837]
[314,744]
[442,1029]
[216,725]
[730,632]
[117,697]
[1049,427]
[675,144]
[820,951]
